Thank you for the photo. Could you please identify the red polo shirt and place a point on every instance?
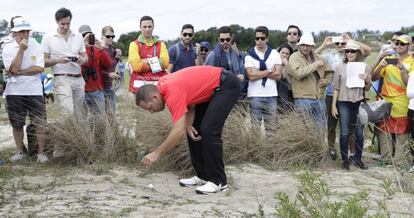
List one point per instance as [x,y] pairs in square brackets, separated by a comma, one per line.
[189,86]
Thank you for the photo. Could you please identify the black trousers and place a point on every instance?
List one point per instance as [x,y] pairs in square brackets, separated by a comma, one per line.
[207,154]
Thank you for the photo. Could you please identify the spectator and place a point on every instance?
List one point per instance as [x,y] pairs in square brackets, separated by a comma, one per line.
[199,99]
[333,58]
[202,53]
[309,77]
[284,90]
[395,69]
[223,55]
[293,36]
[23,59]
[148,56]
[346,101]
[263,68]
[98,60]
[182,54]
[109,74]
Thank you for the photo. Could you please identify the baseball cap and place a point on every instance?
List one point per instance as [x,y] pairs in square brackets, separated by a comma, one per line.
[404,39]
[205,44]
[20,23]
[85,29]
[353,45]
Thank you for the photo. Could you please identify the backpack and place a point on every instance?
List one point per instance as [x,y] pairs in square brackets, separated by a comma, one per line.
[374,112]
[178,52]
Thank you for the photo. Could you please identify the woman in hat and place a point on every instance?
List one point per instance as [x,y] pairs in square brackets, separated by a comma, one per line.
[346,100]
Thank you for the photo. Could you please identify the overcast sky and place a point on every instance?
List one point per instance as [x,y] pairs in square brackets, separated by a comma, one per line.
[170,15]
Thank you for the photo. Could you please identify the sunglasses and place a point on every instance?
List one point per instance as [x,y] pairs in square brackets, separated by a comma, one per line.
[352,51]
[204,50]
[222,40]
[293,33]
[109,36]
[340,43]
[397,43]
[260,38]
[188,34]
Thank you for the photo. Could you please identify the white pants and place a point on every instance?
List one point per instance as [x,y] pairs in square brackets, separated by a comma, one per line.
[70,92]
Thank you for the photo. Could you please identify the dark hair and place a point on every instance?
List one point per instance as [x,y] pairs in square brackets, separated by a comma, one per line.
[12,21]
[187,26]
[224,29]
[62,13]
[143,93]
[296,27]
[285,45]
[358,58]
[262,29]
[398,33]
[144,18]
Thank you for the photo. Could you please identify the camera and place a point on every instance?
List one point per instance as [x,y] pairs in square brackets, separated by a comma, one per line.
[73,58]
[89,71]
[91,39]
[390,60]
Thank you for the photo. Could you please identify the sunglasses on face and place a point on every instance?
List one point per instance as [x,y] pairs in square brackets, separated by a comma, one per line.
[340,43]
[109,36]
[260,38]
[352,51]
[204,50]
[222,40]
[397,43]
[293,33]
[188,34]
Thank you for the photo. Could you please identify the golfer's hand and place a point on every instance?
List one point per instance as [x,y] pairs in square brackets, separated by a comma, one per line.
[192,132]
[150,158]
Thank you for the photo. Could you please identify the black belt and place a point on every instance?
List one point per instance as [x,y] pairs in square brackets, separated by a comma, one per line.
[224,75]
[68,75]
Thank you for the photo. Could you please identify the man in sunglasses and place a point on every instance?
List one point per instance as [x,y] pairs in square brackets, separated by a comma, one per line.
[395,67]
[332,58]
[182,54]
[65,51]
[293,36]
[223,55]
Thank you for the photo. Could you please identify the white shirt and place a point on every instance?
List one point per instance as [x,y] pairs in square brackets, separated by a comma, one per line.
[33,56]
[255,88]
[57,47]
[410,91]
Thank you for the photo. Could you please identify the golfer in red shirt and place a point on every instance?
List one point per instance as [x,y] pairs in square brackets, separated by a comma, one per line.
[199,99]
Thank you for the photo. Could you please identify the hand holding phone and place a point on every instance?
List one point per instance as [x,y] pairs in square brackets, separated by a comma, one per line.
[392,61]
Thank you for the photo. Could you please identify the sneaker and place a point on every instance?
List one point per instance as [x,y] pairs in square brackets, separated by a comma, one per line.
[351,157]
[376,156]
[42,158]
[194,181]
[411,170]
[18,156]
[209,188]
[332,154]
[360,165]
[345,165]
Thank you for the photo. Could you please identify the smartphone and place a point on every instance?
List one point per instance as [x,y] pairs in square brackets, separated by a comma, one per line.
[391,61]
[336,39]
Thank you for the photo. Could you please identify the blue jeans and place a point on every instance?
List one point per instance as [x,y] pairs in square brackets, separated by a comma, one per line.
[315,108]
[94,101]
[348,117]
[110,100]
[263,108]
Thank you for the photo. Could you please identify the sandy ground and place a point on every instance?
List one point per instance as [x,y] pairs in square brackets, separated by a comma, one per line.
[31,189]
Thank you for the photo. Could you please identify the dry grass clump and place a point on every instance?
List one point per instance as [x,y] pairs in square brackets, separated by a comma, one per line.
[136,132]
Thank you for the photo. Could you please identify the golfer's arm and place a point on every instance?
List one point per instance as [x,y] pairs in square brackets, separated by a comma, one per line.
[190,116]
[173,137]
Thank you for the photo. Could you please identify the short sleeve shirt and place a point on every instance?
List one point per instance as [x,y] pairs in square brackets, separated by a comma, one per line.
[57,47]
[33,56]
[185,59]
[187,87]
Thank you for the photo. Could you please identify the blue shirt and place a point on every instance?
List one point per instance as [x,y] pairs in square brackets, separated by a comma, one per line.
[185,59]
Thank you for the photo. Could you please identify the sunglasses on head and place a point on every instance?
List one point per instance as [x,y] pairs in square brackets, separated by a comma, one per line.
[352,51]
[188,34]
[204,50]
[397,43]
[293,33]
[260,38]
[222,40]
[109,36]
[340,43]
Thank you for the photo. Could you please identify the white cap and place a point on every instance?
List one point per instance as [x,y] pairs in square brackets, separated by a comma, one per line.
[353,45]
[306,39]
[20,23]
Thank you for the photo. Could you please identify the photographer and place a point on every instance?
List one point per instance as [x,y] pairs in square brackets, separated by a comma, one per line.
[98,60]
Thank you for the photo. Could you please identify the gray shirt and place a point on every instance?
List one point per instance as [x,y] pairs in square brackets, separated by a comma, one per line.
[339,83]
